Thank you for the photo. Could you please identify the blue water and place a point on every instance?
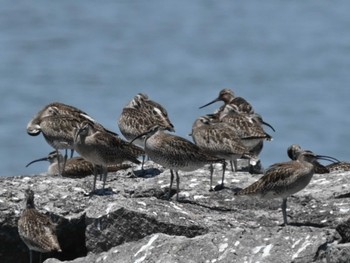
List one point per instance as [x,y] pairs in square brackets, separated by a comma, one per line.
[290,59]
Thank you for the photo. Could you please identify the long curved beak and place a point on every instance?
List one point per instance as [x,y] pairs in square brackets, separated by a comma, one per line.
[150,132]
[137,137]
[38,160]
[327,158]
[268,125]
[217,99]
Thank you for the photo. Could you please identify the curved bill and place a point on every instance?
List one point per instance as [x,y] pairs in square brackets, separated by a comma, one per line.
[327,158]
[38,160]
[150,132]
[217,99]
[268,125]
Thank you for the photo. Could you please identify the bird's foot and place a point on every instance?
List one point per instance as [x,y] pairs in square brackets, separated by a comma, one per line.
[219,187]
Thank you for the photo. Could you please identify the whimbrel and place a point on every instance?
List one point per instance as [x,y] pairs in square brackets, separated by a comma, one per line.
[75,167]
[339,167]
[228,97]
[141,114]
[218,139]
[58,132]
[36,229]
[103,149]
[247,128]
[48,121]
[59,109]
[294,150]
[281,180]
[175,153]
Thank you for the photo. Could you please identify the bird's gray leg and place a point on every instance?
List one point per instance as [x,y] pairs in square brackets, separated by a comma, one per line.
[177,185]
[171,182]
[65,160]
[104,170]
[143,162]
[232,166]
[223,174]
[95,178]
[59,164]
[284,211]
[211,168]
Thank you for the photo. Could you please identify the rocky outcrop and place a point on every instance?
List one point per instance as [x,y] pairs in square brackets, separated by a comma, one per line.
[135,223]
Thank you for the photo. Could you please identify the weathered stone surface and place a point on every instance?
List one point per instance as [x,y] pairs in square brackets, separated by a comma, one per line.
[136,224]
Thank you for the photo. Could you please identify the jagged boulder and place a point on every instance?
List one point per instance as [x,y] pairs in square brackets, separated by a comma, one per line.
[135,223]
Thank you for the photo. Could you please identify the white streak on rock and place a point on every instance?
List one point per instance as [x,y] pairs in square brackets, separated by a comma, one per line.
[257,249]
[267,250]
[222,247]
[178,208]
[302,247]
[145,248]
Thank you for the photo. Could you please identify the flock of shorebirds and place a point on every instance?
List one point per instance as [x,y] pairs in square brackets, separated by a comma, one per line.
[232,132]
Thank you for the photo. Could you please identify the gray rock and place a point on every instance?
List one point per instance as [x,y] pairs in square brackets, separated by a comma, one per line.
[136,224]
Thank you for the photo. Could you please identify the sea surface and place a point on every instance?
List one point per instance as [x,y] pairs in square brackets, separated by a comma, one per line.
[289,59]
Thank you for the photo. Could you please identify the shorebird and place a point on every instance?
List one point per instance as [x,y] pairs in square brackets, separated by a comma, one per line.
[228,97]
[56,121]
[248,127]
[36,229]
[141,114]
[244,108]
[59,109]
[76,167]
[339,167]
[175,153]
[294,150]
[218,139]
[281,180]
[103,149]
[58,132]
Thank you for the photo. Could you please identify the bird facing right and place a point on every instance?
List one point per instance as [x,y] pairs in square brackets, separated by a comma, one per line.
[281,180]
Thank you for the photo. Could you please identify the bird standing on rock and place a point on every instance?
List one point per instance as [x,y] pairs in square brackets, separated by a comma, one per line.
[240,114]
[57,121]
[139,115]
[103,149]
[175,153]
[36,229]
[281,180]
[218,139]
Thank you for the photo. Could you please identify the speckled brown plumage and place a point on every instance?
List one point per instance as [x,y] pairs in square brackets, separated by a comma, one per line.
[36,229]
[57,121]
[284,179]
[141,114]
[339,167]
[103,149]
[218,139]
[228,97]
[293,152]
[175,153]
[76,167]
